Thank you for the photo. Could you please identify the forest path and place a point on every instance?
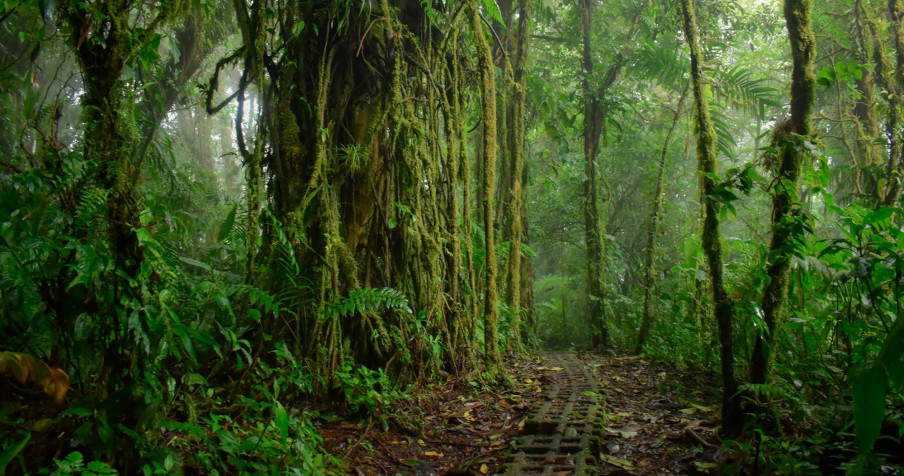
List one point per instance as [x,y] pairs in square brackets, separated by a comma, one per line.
[564,430]
[568,414]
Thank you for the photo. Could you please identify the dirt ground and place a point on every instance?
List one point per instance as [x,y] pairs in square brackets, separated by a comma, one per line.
[657,421]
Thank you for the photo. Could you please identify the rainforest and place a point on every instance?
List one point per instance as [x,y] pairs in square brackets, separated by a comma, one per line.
[432,237]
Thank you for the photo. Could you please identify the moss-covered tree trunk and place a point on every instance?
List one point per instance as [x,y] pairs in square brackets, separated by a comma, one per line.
[517,129]
[488,99]
[104,40]
[894,167]
[865,114]
[593,129]
[732,418]
[650,250]
[792,155]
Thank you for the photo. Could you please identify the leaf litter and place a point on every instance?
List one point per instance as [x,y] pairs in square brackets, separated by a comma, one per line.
[657,421]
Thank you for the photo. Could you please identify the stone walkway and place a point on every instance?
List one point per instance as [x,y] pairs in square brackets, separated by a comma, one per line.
[563,432]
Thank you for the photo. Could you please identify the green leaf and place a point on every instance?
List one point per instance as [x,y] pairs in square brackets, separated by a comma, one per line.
[879,215]
[226,226]
[9,453]
[892,354]
[869,387]
[493,10]
[194,262]
[282,421]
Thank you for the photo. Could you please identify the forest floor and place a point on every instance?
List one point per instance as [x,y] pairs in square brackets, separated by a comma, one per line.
[650,420]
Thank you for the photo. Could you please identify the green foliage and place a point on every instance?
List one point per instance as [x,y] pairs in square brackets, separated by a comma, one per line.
[364,300]
[74,465]
[367,391]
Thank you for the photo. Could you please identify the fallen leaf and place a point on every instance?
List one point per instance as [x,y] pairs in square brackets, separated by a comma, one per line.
[484,469]
[556,369]
[621,463]
[28,370]
[433,454]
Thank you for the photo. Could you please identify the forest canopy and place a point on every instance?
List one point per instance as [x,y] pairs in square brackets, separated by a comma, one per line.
[221,221]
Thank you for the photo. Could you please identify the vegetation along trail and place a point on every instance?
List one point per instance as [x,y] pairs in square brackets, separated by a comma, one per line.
[569,414]
[451,237]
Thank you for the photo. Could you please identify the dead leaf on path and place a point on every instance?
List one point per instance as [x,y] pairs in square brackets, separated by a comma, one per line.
[433,454]
[484,469]
[629,431]
[621,463]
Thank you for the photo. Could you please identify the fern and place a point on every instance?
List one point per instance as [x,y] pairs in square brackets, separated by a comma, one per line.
[93,203]
[743,91]
[366,300]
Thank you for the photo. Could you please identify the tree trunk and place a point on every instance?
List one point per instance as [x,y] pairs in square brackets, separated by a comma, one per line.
[791,155]
[488,99]
[865,115]
[893,168]
[732,418]
[593,128]
[517,130]
[649,283]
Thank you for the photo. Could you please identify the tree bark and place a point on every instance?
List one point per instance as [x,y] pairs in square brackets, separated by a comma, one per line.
[488,99]
[792,154]
[865,114]
[732,418]
[593,128]
[649,251]
[894,165]
[516,145]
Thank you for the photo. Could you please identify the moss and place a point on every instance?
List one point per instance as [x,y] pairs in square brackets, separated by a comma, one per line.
[488,99]
[732,418]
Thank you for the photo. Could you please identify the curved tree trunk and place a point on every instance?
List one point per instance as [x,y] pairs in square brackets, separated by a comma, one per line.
[732,418]
[791,156]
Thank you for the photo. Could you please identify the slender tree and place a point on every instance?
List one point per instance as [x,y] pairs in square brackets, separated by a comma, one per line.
[895,84]
[488,99]
[593,128]
[790,137]
[517,130]
[649,251]
[732,418]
